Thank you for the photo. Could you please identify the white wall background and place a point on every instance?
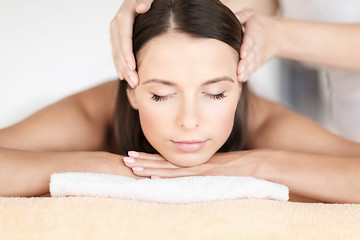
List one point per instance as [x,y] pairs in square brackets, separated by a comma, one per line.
[50,49]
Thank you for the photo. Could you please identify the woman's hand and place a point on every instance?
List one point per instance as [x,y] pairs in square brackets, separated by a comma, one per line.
[240,163]
[102,162]
[260,41]
[121,29]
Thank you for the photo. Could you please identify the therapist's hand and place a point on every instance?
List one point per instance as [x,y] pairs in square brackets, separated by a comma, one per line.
[121,29]
[260,41]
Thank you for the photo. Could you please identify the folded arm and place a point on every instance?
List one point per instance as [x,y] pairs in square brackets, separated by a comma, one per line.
[285,148]
[309,159]
[70,135]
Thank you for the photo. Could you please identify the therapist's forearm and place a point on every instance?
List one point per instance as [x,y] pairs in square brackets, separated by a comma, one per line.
[264,6]
[336,45]
[319,177]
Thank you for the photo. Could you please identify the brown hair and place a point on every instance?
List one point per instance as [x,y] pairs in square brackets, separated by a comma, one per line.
[199,19]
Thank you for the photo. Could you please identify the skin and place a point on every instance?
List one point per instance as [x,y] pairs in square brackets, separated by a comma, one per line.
[121,38]
[73,134]
[195,108]
[266,36]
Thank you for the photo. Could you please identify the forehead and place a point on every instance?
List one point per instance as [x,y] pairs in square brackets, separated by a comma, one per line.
[177,55]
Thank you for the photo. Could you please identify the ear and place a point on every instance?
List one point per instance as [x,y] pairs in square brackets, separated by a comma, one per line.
[132,98]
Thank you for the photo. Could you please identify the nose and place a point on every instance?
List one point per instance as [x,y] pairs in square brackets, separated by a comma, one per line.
[188,117]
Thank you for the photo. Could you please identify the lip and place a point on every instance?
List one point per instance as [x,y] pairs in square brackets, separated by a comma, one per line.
[189,146]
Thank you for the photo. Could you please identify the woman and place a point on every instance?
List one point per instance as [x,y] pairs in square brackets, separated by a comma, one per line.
[325,33]
[189,106]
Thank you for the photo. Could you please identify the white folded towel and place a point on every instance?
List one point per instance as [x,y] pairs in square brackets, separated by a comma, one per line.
[165,190]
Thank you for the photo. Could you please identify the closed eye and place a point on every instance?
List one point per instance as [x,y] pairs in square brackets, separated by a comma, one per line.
[158,98]
[219,96]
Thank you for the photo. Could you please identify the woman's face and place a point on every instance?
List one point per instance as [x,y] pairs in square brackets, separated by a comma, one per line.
[187,96]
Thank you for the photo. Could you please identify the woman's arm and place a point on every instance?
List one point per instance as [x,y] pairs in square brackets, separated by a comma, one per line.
[27,173]
[286,148]
[311,161]
[78,122]
[271,125]
[59,138]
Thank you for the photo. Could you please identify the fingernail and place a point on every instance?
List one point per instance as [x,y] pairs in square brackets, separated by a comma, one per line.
[129,160]
[137,169]
[133,154]
[132,81]
[155,177]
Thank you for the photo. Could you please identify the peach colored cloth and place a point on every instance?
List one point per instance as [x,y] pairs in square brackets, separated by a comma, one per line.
[105,218]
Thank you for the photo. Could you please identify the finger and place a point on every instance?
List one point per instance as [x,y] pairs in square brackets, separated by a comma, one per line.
[121,77]
[121,29]
[244,49]
[243,70]
[251,57]
[163,172]
[245,14]
[242,77]
[142,6]
[127,52]
[251,68]
[143,155]
[132,79]
[145,163]
[240,71]
[248,42]
[115,44]
[119,54]
[129,64]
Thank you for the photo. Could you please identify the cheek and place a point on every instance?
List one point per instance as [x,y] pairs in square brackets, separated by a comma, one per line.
[222,123]
[221,117]
[152,121]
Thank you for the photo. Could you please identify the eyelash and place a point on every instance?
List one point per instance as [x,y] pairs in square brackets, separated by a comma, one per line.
[219,96]
[158,98]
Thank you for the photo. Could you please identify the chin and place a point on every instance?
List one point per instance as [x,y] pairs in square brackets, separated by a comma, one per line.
[186,159]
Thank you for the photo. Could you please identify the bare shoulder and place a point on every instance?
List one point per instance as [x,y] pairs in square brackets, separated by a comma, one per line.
[271,125]
[78,122]
[259,111]
[99,102]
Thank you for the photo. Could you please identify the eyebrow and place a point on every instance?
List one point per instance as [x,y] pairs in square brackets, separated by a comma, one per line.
[168,83]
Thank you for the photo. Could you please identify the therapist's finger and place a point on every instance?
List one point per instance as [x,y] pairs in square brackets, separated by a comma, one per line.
[245,14]
[128,64]
[163,172]
[142,6]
